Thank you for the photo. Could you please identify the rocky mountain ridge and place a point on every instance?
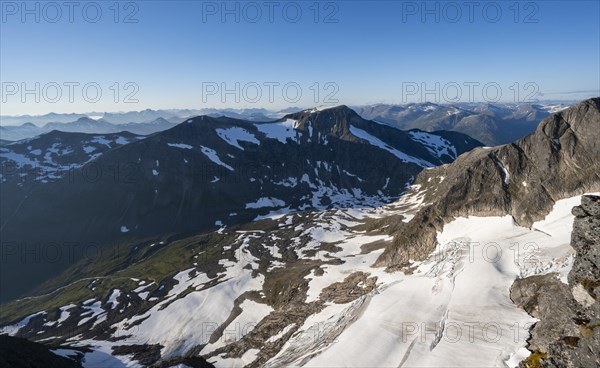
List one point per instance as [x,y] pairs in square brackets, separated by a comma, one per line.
[523,179]
[568,331]
[300,288]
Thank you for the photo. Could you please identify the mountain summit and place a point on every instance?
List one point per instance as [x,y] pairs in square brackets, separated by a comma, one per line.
[205,173]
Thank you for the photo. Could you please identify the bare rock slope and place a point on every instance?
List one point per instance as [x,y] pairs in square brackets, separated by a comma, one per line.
[523,179]
[568,331]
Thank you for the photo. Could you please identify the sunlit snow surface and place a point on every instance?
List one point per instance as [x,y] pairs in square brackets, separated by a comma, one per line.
[282,131]
[453,310]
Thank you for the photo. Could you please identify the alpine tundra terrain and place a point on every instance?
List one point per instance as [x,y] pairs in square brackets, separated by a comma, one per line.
[374,247]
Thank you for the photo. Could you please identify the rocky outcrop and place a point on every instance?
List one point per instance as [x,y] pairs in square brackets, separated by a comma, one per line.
[353,287]
[523,179]
[568,331]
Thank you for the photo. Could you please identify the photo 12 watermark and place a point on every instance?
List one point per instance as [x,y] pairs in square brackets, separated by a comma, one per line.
[269,92]
[469,11]
[472,332]
[69,11]
[270,11]
[468,91]
[69,92]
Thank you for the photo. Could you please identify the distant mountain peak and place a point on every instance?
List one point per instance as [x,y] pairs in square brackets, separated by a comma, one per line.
[334,120]
[85,119]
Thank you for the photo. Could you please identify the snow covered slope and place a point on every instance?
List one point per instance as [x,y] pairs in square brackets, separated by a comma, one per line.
[203,173]
[452,310]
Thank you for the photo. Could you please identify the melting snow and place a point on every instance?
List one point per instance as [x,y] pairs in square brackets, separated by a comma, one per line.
[506,175]
[212,155]
[102,140]
[379,143]
[282,131]
[13,329]
[112,299]
[266,202]
[235,134]
[435,144]
[180,145]
[462,294]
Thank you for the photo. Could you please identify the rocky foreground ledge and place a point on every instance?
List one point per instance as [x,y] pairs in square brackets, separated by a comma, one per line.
[568,331]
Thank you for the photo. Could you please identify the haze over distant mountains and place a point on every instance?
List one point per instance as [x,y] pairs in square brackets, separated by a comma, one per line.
[226,243]
[14,128]
[491,124]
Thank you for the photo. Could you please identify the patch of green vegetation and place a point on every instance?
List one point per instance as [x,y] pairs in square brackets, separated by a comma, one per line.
[104,262]
[74,293]
[535,359]
[264,225]
[116,269]
[180,255]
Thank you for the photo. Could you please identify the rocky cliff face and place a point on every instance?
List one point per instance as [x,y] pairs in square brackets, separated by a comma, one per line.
[568,331]
[523,179]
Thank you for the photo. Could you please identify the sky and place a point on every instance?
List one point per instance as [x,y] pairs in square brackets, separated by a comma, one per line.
[132,55]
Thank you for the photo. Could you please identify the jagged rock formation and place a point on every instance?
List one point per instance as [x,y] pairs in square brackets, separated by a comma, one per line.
[568,331]
[523,179]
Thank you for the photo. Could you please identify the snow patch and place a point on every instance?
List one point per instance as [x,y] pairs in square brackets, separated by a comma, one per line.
[266,202]
[435,144]
[379,143]
[212,155]
[180,145]
[282,131]
[236,134]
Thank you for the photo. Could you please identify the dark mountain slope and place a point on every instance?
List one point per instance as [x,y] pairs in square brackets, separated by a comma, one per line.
[208,172]
[16,352]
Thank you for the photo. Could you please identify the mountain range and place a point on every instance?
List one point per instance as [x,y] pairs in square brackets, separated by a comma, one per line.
[319,239]
[203,173]
[144,122]
[491,124]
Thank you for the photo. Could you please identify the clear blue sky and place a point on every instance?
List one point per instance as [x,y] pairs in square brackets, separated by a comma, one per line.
[375,51]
